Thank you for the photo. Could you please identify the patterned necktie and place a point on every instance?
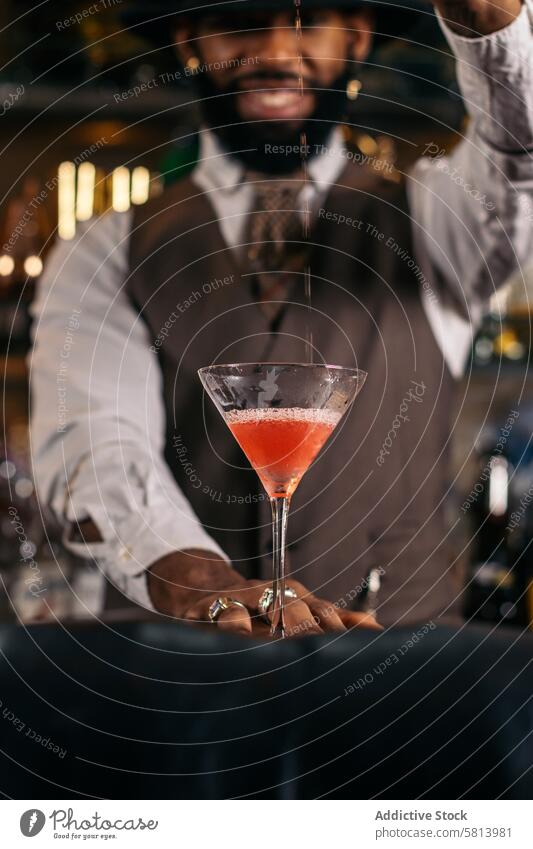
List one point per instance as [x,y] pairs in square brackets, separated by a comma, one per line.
[276,235]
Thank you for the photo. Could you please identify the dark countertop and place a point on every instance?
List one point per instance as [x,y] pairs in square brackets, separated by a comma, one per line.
[152,710]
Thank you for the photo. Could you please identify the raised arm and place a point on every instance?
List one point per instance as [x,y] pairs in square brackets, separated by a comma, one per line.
[470,209]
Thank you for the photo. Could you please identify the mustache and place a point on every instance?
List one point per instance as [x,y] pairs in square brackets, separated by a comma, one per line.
[257,77]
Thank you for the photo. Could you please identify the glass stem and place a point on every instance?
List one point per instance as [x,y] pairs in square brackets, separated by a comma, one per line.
[280,515]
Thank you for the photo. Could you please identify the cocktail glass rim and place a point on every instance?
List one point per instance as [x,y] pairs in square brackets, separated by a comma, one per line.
[352,369]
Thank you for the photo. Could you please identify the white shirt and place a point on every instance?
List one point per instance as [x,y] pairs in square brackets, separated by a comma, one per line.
[98,420]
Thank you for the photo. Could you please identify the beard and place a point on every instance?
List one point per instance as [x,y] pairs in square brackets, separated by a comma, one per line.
[222,117]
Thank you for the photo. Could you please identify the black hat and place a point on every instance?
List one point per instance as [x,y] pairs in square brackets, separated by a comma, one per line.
[394,18]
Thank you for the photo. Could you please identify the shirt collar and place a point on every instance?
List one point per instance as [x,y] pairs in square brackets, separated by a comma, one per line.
[218,169]
[326,166]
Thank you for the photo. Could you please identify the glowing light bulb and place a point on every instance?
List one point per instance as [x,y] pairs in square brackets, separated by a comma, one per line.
[33,265]
[140,185]
[7,265]
[121,189]
[85,191]
[66,200]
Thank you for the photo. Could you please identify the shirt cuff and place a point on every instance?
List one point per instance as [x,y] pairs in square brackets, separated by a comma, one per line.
[139,541]
[495,74]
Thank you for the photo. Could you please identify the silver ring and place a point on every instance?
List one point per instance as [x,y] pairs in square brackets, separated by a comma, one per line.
[265,602]
[223,603]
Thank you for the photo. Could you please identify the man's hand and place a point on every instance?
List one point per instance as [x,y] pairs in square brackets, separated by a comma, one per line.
[473,18]
[185,584]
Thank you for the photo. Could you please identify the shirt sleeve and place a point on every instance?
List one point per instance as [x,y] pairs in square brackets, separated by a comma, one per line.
[473,210]
[97,412]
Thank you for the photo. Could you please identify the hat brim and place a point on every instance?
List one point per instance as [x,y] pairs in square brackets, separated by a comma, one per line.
[394,18]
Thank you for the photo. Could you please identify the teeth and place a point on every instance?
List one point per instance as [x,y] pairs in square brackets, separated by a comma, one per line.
[277,98]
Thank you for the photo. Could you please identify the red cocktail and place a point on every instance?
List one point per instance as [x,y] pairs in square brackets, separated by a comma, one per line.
[281,443]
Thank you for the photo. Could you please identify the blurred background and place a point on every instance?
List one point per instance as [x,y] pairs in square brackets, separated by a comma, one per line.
[93,117]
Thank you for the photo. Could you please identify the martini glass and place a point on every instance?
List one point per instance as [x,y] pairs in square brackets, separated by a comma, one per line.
[281,414]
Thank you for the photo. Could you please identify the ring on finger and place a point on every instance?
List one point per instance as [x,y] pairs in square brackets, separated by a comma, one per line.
[265,602]
[221,604]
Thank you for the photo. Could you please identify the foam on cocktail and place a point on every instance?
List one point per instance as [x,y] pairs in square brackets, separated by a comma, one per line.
[326,417]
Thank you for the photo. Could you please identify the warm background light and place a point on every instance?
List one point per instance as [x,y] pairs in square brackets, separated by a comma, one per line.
[7,265]
[66,200]
[140,185]
[121,189]
[85,191]
[33,265]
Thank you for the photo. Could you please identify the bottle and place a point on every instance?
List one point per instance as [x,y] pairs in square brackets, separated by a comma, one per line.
[497,588]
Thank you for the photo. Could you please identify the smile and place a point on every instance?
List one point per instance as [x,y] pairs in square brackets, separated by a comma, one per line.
[287,103]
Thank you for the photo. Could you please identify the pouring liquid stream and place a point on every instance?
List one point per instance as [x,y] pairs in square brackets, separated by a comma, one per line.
[306,212]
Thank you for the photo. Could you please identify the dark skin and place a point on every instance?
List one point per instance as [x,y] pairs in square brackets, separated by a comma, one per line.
[268,42]
[203,577]
[184,584]
[264,43]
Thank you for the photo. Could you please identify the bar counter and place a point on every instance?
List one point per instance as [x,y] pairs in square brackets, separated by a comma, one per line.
[158,710]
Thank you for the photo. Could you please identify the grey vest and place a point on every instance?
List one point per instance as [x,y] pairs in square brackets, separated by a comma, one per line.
[373,499]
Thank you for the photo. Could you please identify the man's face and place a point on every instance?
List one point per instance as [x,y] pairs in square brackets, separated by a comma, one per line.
[273,73]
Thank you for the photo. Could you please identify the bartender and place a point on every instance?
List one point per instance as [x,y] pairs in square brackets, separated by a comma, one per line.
[142,473]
